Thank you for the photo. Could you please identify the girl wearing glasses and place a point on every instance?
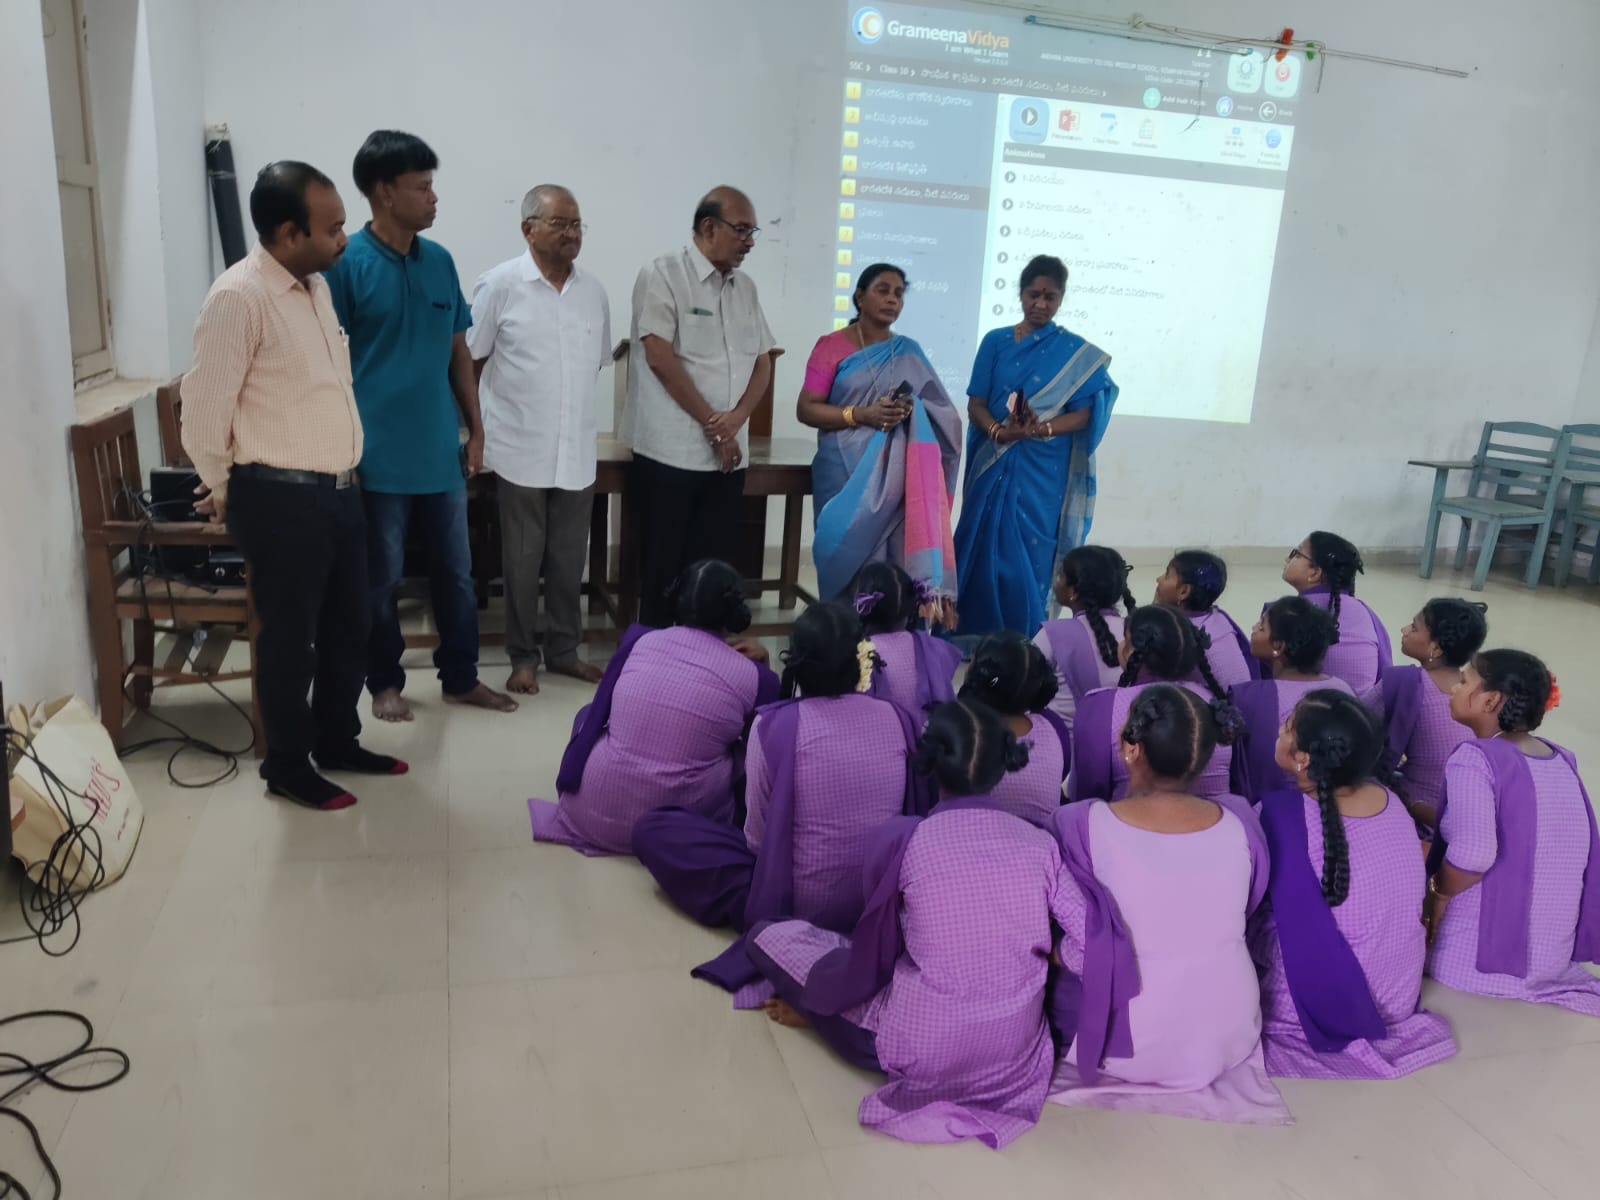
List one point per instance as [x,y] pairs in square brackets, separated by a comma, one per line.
[1323,569]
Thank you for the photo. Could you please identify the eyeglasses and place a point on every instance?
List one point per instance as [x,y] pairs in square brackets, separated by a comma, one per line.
[745,233]
[1296,553]
[561,226]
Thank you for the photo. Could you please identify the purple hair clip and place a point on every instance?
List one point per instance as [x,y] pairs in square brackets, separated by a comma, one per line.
[866,602]
[926,593]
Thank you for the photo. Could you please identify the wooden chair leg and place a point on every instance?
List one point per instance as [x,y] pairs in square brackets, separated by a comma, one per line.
[789,572]
[106,632]
[1541,546]
[1491,538]
[1430,544]
[144,655]
[1463,543]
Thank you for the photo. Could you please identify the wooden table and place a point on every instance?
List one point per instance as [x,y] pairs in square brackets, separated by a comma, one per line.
[778,467]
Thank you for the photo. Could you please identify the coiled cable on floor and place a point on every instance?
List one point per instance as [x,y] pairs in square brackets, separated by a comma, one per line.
[48,1072]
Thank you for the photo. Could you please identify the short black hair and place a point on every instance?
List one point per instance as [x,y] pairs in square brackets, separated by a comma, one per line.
[1044,266]
[1305,629]
[388,154]
[279,195]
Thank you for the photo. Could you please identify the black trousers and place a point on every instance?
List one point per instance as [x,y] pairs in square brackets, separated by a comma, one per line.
[683,516]
[305,547]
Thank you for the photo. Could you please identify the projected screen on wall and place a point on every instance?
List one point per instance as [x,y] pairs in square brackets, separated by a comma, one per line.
[972,140]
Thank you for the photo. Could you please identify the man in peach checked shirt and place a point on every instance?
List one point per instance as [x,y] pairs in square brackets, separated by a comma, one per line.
[270,420]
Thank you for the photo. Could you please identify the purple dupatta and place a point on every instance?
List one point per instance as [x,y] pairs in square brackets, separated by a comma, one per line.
[1092,748]
[1254,664]
[1505,910]
[1329,988]
[772,884]
[1255,764]
[1402,707]
[1063,735]
[1096,1011]
[592,720]
[1076,655]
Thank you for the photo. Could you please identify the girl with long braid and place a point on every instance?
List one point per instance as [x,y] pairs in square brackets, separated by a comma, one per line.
[1090,583]
[1323,569]
[1441,639]
[1341,954]
[1159,645]
[1291,641]
[1513,901]
[1157,1007]
[918,670]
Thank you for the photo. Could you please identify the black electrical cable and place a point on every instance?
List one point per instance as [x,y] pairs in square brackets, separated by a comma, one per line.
[31,1073]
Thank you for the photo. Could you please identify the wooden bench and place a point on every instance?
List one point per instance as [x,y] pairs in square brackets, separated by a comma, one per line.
[115,529]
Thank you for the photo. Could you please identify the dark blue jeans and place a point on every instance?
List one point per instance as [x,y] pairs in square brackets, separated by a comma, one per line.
[440,521]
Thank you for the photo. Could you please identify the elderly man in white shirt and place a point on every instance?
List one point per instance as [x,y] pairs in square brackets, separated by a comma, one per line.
[698,365]
[541,331]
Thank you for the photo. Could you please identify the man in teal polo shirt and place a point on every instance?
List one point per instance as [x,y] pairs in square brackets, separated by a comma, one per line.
[400,301]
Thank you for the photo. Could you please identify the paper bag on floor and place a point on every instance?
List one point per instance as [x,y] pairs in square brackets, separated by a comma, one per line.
[82,816]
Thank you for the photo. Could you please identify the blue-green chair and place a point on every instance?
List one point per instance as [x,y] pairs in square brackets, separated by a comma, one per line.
[1581,508]
[1514,484]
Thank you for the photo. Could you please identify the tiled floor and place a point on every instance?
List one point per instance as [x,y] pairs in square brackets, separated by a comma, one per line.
[411,999]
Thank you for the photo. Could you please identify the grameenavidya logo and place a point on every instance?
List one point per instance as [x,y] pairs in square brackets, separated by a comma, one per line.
[869,26]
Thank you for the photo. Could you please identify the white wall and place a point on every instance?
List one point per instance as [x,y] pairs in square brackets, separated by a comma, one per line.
[44,633]
[1586,404]
[1437,263]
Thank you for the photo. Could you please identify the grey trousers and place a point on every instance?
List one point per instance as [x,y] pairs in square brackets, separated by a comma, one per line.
[543,531]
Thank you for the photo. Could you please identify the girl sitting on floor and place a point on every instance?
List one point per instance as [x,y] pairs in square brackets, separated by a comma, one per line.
[1323,569]
[1291,640]
[1091,582]
[1011,676]
[1514,875]
[941,984]
[1341,953]
[1158,1007]
[918,669]
[810,809]
[667,723]
[1159,645]
[1423,735]
[1194,581]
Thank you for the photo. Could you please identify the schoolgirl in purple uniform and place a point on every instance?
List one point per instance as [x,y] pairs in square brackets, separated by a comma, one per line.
[919,669]
[1194,581]
[1514,874]
[1011,676]
[1290,641]
[1323,569]
[1341,948]
[1090,583]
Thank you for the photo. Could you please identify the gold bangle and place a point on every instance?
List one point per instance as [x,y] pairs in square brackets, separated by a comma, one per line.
[850,417]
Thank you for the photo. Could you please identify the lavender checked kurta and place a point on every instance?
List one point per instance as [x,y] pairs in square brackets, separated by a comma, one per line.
[1034,793]
[840,799]
[1422,733]
[1380,922]
[1229,656]
[1193,1029]
[1556,881]
[1070,646]
[919,670]
[1265,705]
[958,1021]
[1098,771]
[682,701]
[1363,650]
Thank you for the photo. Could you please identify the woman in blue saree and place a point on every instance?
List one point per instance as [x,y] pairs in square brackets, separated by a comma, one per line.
[1038,404]
[888,451]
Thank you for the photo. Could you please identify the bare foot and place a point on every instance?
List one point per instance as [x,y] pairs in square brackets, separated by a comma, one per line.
[484,696]
[390,705]
[524,681]
[580,670]
[785,1013]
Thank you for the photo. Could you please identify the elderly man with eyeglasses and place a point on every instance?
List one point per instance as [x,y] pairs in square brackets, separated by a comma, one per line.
[541,331]
[698,365]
